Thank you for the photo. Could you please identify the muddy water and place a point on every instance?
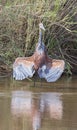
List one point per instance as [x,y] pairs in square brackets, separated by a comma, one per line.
[37,105]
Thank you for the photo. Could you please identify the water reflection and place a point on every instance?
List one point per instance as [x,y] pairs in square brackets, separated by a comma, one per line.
[47,107]
[36,106]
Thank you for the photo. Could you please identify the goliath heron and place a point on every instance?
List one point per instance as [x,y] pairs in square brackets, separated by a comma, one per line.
[40,62]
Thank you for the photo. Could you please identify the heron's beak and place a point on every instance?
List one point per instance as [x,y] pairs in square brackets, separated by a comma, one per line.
[41,26]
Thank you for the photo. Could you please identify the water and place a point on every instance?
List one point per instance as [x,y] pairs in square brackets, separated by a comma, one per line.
[29,105]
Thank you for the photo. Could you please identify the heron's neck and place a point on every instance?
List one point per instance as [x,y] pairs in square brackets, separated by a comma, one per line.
[40,48]
[40,37]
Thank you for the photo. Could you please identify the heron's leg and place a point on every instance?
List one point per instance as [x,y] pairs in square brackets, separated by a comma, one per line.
[35,78]
[34,82]
[41,82]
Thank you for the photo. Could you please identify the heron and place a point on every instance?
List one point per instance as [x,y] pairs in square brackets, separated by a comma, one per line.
[46,67]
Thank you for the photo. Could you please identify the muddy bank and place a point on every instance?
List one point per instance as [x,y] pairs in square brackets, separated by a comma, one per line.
[5,70]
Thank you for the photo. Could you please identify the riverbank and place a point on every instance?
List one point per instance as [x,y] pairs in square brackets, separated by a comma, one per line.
[19,30]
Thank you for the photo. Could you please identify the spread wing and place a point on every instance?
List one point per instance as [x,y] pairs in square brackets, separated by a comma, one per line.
[23,67]
[52,70]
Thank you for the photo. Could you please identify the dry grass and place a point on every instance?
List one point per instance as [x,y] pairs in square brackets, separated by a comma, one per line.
[19,28]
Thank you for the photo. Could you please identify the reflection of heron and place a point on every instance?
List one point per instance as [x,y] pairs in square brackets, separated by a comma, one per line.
[47,68]
[24,104]
[53,103]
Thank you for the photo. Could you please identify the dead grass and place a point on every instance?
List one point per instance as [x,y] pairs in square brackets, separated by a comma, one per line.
[19,28]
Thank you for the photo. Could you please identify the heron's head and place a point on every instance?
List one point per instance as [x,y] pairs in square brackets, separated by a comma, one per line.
[41,26]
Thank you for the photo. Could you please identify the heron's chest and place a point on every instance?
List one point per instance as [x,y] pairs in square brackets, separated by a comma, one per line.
[39,60]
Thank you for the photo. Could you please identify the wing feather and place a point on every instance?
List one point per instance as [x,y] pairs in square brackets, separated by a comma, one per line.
[23,68]
[52,70]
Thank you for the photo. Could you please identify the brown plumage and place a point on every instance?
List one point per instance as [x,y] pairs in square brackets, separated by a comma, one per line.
[50,69]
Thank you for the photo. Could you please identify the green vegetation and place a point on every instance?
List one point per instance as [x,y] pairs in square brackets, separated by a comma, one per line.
[19,21]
